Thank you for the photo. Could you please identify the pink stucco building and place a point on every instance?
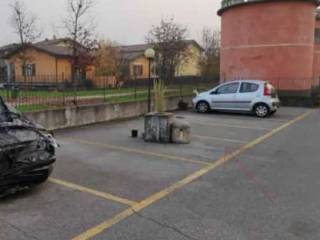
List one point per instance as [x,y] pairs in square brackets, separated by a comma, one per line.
[274,40]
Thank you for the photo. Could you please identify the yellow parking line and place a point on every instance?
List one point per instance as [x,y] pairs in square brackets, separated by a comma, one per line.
[246,118]
[165,192]
[219,139]
[132,150]
[231,126]
[96,193]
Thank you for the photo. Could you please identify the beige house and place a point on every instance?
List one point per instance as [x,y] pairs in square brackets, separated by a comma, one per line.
[139,65]
[45,61]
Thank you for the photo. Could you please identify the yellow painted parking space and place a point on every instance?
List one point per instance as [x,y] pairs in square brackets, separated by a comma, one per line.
[231,126]
[138,151]
[222,116]
[94,231]
[96,193]
[219,139]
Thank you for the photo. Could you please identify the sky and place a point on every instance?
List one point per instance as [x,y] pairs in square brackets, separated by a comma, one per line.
[123,21]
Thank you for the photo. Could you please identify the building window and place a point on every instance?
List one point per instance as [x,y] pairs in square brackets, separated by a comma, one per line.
[29,70]
[137,70]
[317,36]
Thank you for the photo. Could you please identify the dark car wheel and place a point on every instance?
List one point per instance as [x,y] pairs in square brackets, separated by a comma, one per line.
[261,110]
[203,107]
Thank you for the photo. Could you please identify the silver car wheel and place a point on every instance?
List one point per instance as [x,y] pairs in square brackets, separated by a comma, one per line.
[202,107]
[262,111]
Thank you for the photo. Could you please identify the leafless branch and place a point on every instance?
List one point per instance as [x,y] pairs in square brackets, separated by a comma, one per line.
[168,39]
[79,28]
[81,31]
[25,26]
[24,23]
[210,60]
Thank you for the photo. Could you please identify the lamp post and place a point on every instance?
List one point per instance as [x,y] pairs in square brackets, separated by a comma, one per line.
[150,55]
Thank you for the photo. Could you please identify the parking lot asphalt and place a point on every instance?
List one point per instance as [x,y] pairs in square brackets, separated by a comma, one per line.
[240,178]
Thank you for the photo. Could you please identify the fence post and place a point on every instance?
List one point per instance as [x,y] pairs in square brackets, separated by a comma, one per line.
[181,97]
[63,89]
[75,90]
[7,86]
[105,89]
[135,89]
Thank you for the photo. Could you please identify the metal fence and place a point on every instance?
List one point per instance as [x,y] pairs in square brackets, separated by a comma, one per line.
[50,92]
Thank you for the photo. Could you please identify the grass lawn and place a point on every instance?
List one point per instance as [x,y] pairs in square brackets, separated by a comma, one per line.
[128,98]
[133,95]
[32,108]
[69,93]
[93,92]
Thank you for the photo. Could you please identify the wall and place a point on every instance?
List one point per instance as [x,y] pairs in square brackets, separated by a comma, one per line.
[79,116]
[145,66]
[63,69]
[190,67]
[271,41]
[47,66]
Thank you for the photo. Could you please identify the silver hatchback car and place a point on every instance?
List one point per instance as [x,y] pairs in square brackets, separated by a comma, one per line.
[254,96]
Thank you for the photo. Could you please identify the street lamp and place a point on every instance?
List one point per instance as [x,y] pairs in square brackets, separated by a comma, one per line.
[150,55]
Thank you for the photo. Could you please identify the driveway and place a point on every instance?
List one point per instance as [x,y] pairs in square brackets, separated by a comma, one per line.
[240,178]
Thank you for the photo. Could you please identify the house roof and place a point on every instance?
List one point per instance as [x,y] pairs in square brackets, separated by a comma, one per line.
[7,49]
[62,48]
[131,52]
[56,47]
[135,48]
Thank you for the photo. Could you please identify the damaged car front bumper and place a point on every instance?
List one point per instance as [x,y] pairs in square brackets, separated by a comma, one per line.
[27,152]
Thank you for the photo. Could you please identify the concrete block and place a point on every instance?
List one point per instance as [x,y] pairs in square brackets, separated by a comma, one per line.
[180,131]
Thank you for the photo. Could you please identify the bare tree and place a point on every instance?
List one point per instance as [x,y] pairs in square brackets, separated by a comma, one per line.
[25,26]
[168,40]
[24,23]
[81,32]
[210,60]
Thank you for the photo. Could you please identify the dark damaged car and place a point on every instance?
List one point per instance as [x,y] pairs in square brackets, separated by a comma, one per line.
[27,152]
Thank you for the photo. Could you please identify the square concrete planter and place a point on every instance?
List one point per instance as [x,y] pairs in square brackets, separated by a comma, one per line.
[158,127]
